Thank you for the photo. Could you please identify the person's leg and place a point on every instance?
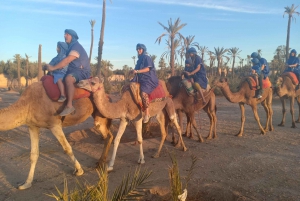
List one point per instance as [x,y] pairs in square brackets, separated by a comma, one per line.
[199,90]
[260,81]
[145,99]
[61,87]
[69,80]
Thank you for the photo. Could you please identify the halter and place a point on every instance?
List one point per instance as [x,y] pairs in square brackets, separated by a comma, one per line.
[93,91]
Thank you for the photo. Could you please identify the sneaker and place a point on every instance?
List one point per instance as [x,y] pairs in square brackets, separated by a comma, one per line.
[146,119]
[61,99]
[67,111]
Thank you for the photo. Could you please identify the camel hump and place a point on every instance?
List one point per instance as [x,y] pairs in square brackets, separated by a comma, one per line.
[253,85]
[292,76]
[135,92]
[53,92]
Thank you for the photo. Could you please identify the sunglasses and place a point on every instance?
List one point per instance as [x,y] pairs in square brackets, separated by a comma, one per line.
[139,48]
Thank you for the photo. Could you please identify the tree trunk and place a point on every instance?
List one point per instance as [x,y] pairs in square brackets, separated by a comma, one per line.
[40,70]
[232,69]
[26,73]
[172,59]
[288,39]
[92,42]
[101,42]
[19,76]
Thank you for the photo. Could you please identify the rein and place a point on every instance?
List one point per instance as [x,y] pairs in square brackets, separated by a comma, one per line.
[93,91]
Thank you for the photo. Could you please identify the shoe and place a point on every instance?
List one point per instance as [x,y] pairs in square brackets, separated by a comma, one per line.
[259,96]
[146,119]
[61,99]
[67,111]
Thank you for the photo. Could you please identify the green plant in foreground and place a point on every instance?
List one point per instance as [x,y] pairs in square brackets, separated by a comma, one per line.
[131,188]
[175,178]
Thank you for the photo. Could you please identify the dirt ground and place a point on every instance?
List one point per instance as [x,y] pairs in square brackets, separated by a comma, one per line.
[252,167]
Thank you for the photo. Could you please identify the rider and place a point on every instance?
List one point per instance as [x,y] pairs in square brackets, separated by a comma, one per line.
[78,67]
[265,70]
[146,76]
[293,64]
[198,72]
[256,70]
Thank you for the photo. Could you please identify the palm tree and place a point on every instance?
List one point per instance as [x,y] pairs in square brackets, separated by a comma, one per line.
[233,52]
[259,52]
[133,57]
[101,41]
[248,60]
[219,53]
[168,53]
[290,11]
[187,42]
[40,70]
[27,67]
[153,57]
[172,32]
[18,60]
[92,22]
[202,50]
[212,60]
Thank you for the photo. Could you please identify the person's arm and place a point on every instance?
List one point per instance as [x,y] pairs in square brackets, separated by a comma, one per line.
[196,70]
[144,70]
[262,67]
[62,63]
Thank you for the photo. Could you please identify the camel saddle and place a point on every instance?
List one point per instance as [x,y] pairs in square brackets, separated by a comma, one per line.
[53,91]
[188,85]
[253,85]
[292,76]
[157,95]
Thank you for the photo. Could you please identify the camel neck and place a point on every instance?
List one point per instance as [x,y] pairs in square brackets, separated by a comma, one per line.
[230,96]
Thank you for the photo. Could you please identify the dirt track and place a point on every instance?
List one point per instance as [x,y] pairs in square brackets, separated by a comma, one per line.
[252,167]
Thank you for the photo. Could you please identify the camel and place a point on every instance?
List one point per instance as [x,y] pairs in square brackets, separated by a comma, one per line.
[247,96]
[127,110]
[285,89]
[36,110]
[185,103]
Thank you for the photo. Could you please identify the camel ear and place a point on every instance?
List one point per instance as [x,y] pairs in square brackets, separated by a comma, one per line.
[99,79]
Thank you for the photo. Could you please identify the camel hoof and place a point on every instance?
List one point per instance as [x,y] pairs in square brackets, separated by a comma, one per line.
[184,135]
[209,138]
[294,126]
[239,135]
[201,140]
[184,149]
[78,172]
[271,129]
[281,124]
[110,168]
[141,161]
[24,186]
[178,145]
[298,121]
[155,155]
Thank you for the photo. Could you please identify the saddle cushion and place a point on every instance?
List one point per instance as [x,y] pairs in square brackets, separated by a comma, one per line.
[53,92]
[292,76]
[266,83]
[188,85]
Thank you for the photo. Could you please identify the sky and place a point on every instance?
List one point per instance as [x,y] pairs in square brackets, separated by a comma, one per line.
[247,25]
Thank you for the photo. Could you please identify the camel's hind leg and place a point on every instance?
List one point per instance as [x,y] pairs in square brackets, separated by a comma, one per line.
[193,122]
[60,136]
[269,100]
[103,125]
[34,155]
[243,118]
[254,109]
[298,101]
[138,126]
[292,101]
[282,99]
[264,104]
[161,118]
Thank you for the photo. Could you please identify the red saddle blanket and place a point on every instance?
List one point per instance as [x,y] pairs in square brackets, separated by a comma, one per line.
[292,76]
[158,92]
[53,92]
[266,83]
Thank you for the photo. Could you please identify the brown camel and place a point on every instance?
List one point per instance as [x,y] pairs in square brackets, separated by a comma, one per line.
[36,110]
[127,110]
[285,89]
[185,103]
[247,96]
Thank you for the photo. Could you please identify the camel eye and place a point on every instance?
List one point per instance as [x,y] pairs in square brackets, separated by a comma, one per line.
[93,83]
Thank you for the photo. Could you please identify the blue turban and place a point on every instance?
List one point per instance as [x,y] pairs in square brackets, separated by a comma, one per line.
[255,61]
[140,45]
[74,36]
[61,55]
[189,61]
[192,50]
[255,55]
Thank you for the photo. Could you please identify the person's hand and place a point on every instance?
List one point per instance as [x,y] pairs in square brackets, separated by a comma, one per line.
[49,68]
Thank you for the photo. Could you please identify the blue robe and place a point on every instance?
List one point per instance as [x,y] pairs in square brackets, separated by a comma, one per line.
[291,61]
[59,73]
[148,81]
[266,70]
[200,76]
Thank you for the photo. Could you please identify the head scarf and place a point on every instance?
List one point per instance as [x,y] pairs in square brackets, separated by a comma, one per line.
[255,61]
[140,45]
[292,59]
[74,36]
[192,50]
[255,55]
[61,55]
[189,61]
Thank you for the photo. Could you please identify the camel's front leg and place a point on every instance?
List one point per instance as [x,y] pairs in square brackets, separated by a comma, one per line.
[282,99]
[138,126]
[193,122]
[162,121]
[123,124]
[292,101]
[269,105]
[298,101]
[34,155]
[174,121]
[242,108]
[254,109]
[103,125]
[60,136]
[264,104]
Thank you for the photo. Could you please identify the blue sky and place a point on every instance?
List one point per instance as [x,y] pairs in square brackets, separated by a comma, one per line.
[248,25]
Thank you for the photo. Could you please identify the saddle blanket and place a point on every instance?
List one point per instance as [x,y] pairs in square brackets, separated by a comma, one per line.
[53,91]
[266,83]
[292,76]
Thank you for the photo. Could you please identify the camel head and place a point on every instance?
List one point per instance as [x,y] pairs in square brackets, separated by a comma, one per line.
[92,84]
[219,81]
[173,85]
[278,89]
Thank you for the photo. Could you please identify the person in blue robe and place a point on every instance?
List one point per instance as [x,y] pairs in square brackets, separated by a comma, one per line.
[256,71]
[145,74]
[293,65]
